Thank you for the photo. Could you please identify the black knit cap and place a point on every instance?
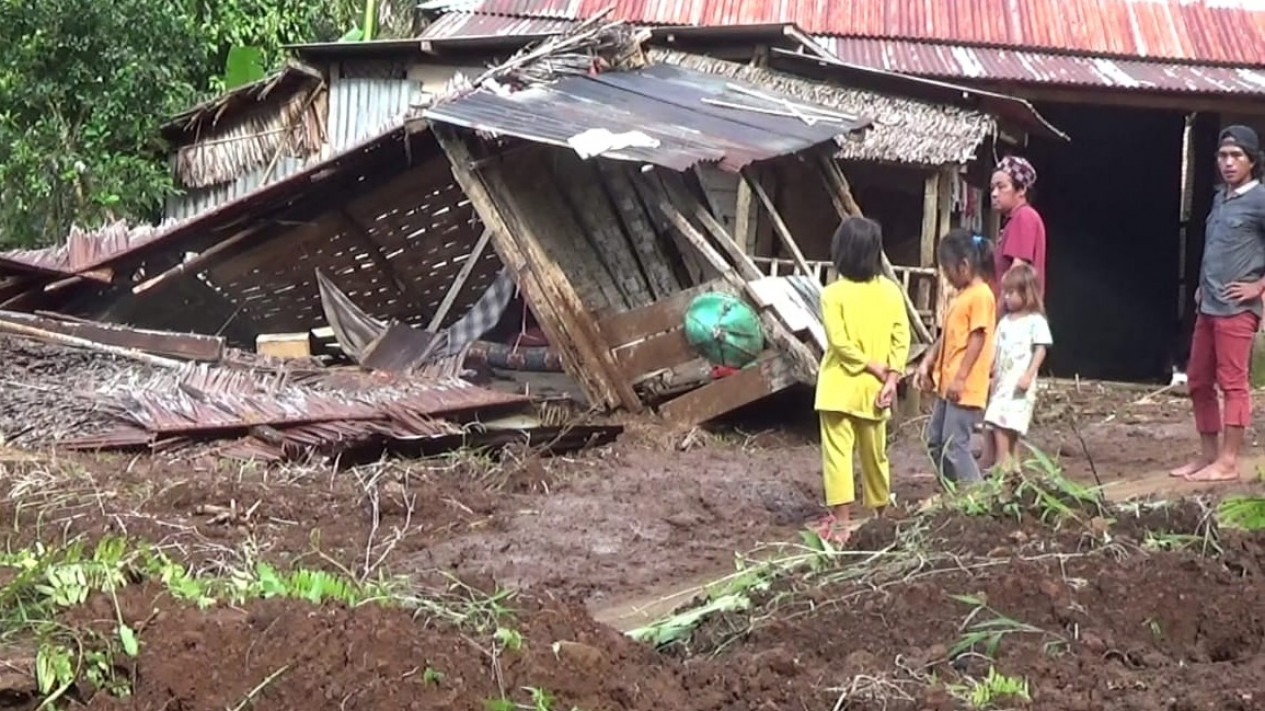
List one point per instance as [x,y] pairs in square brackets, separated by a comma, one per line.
[1243,137]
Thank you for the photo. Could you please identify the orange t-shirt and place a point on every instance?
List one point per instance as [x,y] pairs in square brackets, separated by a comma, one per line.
[973,309]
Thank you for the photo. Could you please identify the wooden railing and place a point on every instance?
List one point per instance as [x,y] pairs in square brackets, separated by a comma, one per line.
[921,283]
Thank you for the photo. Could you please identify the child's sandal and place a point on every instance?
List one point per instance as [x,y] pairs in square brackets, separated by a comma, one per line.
[832,530]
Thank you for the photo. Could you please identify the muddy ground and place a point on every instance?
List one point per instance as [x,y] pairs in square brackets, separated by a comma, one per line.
[605,532]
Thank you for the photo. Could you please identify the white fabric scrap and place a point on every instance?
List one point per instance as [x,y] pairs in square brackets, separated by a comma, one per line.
[596,141]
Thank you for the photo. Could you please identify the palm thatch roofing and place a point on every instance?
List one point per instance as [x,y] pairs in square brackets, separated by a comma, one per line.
[251,126]
[902,130]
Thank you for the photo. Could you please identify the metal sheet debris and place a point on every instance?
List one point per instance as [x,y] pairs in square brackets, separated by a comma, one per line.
[687,116]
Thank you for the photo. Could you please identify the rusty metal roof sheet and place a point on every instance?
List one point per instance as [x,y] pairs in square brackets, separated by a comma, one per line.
[1224,31]
[694,116]
[473,24]
[86,249]
[958,61]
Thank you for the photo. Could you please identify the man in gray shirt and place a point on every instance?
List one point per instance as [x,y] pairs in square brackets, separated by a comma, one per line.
[1231,282]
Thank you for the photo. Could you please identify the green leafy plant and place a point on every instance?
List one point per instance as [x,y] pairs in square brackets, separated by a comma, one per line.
[992,690]
[1242,512]
[45,581]
[984,636]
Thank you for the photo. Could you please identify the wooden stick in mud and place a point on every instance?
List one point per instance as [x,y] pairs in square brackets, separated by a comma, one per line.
[64,340]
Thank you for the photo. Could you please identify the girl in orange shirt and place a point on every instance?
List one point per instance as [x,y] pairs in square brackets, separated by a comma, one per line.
[957,367]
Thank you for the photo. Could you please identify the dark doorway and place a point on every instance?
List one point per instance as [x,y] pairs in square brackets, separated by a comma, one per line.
[1111,200]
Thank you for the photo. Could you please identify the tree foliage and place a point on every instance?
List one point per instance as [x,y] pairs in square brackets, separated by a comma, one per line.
[87,85]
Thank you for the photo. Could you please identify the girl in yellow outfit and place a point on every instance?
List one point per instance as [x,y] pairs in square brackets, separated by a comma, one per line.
[868,334]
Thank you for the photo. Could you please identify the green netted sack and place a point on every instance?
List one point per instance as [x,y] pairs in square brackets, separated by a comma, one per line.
[723,329]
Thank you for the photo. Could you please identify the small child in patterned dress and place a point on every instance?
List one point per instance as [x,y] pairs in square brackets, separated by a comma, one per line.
[1023,337]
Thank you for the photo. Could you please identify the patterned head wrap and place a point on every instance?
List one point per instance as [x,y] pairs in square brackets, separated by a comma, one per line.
[1021,172]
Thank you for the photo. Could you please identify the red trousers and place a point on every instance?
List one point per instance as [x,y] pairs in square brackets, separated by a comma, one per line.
[1219,357]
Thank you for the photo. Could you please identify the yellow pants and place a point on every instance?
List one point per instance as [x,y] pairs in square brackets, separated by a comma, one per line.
[840,434]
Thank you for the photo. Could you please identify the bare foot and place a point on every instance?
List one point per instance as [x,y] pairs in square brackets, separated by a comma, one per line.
[1217,471]
[1194,467]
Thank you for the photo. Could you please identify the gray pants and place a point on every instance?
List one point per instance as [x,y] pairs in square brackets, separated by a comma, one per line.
[949,441]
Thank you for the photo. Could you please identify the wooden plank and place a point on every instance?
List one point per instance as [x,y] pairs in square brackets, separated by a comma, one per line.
[649,189]
[561,314]
[284,345]
[779,225]
[666,350]
[663,315]
[684,265]
[641,233]
[929,237]
[580,190]
[769,374]
[186,346]
[460,280]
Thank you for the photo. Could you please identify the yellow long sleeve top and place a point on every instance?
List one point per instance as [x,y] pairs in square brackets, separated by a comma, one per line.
[865,323]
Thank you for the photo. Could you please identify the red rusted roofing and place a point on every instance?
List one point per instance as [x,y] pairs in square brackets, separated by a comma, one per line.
[958,61]
[1229,32]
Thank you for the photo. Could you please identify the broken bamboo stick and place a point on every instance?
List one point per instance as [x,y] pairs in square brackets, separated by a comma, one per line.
[62,339]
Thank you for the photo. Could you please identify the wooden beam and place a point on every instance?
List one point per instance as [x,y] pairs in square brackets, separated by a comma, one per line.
[186,346]
[1184,102]
[460,280]
[200,262]
[561,314]
[846,205]
[779,226]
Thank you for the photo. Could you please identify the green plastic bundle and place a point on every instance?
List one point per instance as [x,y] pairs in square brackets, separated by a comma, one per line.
[723,329]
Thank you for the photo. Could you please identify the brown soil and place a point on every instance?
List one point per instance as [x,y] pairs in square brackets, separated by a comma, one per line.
[1109,627]
[620,525]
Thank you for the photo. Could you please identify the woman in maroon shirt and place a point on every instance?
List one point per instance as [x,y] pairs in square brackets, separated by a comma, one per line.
[1023,236]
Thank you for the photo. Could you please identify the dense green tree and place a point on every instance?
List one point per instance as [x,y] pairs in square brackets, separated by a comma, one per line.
[84,87]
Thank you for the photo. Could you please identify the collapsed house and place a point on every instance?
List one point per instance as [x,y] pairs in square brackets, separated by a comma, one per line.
[558,212]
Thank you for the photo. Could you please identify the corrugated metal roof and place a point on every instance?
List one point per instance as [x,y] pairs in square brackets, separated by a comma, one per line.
[1224,31]
[669,104]
[473,24]
[957,61]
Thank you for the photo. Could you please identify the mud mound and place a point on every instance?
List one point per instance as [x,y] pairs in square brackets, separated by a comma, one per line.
[286,654]
[1118,626]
